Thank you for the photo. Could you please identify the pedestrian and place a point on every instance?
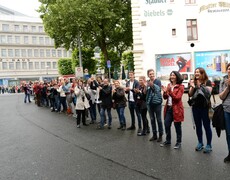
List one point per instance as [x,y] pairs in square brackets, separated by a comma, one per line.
[61,90]
[224,95]
[141,104]
[82,103]
[154,105]
[106,103]
[173,110]
[27,92]
[130,86]
[119,103]
[200,91]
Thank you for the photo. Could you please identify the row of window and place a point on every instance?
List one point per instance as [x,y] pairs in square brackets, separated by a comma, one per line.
[22,28]
[28,65]
[9,39]
[35,53]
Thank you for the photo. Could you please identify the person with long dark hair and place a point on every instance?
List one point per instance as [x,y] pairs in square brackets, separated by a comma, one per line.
[225,96]
[200,91]
[173,110]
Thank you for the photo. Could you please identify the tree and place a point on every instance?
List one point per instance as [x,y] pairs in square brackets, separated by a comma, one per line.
[65,66]
[87,60]
[106,23]
[127,59]
[115,61]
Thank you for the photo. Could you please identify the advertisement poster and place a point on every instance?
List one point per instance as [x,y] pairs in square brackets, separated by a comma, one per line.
[165,63]
[214,62]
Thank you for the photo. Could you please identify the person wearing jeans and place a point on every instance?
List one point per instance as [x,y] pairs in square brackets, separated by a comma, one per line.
[120,104]
[225,97]
[173,110]
[200,91]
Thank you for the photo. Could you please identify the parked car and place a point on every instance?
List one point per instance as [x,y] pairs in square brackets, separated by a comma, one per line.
[215,80]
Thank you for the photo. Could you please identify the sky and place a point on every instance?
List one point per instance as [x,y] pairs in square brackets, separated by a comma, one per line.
[27,7]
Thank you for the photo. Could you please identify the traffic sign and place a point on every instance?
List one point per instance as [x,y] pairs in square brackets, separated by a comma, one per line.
[108,64]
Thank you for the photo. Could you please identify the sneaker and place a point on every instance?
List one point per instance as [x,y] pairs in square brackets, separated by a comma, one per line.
[141,134]
[105,124]
[159,139]
[139,130]
[78,126]
[123,128]
[100,128]
[166,143]
[120,127]
[199,147]
[177,145]
[207,149]
[153,138]
[74,115]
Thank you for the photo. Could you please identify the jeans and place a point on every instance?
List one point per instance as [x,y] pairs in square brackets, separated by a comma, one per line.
[121,116]
[63,103]
[92,111]
[102,113]
[168,123]
[200,116]
[132,108]
[227,128]
[27,96]
[155,110]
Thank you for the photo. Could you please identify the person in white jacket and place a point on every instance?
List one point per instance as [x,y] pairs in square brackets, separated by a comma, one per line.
[82,103]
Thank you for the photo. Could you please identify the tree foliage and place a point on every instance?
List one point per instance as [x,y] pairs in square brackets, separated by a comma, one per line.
[87,59]
[127,59]
[106,23]
[65,66]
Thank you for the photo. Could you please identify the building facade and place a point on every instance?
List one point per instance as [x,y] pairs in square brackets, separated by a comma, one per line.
[26,51]
[181,35]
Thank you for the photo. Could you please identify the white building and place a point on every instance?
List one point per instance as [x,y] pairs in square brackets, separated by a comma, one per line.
[166,32]
[26,51]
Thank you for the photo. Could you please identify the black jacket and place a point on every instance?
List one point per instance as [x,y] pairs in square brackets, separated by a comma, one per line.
[106,96]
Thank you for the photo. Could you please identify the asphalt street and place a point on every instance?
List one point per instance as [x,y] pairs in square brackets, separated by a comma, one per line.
[36,144]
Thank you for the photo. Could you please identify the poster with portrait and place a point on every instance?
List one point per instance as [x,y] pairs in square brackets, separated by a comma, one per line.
[214,62]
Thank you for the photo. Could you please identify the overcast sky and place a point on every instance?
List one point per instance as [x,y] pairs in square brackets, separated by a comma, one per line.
[27,7]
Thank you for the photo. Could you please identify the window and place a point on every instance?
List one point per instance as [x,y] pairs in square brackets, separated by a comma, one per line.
[26,40]
[192,29]
[33,28]
[9,39]
[43,65]
[29,52]
[3,39]
[4,65]
[53,53]
[5,27]
[34,40]
[24,65]
[17,39]
[42,53]
[54,65]
[47,53]
[48,65]
[190,1]
[36,64]
[16,28]
[11,65]
[23,52]
[41,40]
[65,53]
[10,53]
[70,53]
[47,40]
[40,28]
[35,52]
[173,32]
[17,52]
[25,28]
[59,53]
[18,65]
[3,52]
[31,65]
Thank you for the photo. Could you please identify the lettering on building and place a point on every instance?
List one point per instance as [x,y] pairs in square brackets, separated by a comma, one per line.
[209,7]
[149,2]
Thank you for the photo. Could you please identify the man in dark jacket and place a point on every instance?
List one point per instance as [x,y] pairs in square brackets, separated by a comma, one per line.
[105,95]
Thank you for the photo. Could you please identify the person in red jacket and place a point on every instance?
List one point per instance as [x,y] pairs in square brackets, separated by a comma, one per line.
[173,110]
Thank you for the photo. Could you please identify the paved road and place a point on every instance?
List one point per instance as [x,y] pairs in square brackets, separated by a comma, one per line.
[36,144]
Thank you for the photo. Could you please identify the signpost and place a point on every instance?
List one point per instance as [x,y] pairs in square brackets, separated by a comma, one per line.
[79,72]
[109,66]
